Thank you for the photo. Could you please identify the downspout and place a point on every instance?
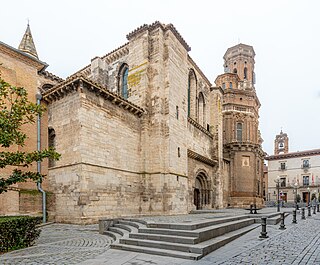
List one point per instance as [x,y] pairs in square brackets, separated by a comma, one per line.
[44,217]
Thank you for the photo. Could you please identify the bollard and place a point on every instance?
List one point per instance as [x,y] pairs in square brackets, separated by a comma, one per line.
[294,217]
[314,209]
[318,207]
[303,216]
[309,210]
[282,226]
[263,228]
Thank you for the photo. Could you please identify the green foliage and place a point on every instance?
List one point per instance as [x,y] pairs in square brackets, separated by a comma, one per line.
[18,232]
[15,111]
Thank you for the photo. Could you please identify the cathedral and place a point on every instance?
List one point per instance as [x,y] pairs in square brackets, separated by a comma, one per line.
[142,130]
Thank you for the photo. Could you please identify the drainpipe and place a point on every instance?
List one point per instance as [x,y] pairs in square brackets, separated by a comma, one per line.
[44,217]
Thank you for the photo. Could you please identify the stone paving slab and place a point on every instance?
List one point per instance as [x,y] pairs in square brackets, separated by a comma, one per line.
[71,244]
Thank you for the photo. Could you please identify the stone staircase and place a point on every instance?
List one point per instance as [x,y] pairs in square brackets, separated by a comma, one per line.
[191,240]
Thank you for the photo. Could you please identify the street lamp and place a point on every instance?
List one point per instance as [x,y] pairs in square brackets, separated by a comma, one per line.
[277,181]
[295,185]
[308,196]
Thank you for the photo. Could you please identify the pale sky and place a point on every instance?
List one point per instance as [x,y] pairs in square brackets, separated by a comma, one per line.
[284,34]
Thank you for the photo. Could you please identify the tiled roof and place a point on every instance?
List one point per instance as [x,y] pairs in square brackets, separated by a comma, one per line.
[294,154]
[79,81]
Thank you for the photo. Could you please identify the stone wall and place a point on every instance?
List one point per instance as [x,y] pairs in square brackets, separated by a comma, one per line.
[19,70]
[117,163]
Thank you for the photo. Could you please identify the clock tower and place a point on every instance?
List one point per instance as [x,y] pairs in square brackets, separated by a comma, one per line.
[241,136]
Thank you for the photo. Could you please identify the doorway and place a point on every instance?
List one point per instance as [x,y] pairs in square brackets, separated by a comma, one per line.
[197,199]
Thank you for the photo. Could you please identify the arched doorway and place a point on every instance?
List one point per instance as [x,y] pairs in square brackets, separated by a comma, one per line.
[201,193]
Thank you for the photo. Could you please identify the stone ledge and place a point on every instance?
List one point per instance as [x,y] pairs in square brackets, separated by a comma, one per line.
[202,158]
[199,127]
[79,82]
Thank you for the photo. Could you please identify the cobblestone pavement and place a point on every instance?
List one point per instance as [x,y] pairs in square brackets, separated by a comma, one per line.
[61,244]
[71,244]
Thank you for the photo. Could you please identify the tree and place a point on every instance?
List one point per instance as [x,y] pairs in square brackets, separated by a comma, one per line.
[15,111]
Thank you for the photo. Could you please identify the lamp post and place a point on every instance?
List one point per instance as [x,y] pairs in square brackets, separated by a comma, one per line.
[277,181]
[296,194]
[308,196]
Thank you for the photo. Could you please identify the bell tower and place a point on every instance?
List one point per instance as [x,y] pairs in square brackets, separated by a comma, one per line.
[281,144]
[241,136]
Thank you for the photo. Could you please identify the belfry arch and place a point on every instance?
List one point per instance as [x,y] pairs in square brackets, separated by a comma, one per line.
[201,191]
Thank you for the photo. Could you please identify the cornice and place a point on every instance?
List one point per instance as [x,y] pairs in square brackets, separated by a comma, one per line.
[244,146]
[116,54]
[22,56]
[312,152]
[109,58]
[51,76]
[78,83]
[156,24]
[202,158]
[199,127]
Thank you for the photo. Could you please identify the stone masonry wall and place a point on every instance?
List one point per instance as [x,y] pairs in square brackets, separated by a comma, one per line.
[21,73]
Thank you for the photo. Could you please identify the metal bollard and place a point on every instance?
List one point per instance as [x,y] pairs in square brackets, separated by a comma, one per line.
[282,226]
[294,217]
[263,233]
[309,210]
[303,216]
[318,207]
[314,209]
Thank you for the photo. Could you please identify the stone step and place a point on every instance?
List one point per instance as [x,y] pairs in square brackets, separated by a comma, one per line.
[154,251]
[118,230]
[129,223]
[129,228]
[166,238]
[217,242]
[160,245]
[203,233]
[113,235]
[140,221]
[197,224]
[192,251]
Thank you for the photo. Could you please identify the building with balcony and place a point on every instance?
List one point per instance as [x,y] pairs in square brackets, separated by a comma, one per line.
[297,172]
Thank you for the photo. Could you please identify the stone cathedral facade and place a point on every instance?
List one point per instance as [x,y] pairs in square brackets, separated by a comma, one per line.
[142,131]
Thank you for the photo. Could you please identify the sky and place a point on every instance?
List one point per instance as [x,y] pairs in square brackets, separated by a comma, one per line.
[284,34]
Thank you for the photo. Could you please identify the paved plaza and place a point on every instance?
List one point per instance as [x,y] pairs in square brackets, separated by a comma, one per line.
[73,244]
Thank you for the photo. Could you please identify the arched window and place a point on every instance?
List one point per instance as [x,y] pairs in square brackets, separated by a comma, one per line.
[192,87]
[239,132]
[51,143]
[235,70]
[123,81]
[245,72]
[201,109]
